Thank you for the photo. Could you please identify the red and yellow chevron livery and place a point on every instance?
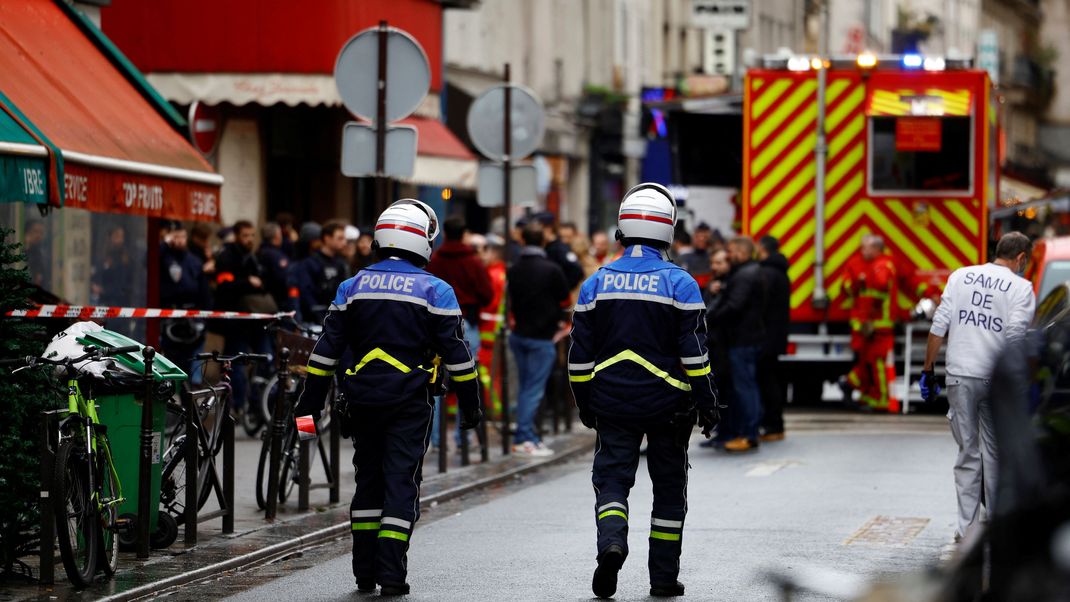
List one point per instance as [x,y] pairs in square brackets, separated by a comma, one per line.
[932,230]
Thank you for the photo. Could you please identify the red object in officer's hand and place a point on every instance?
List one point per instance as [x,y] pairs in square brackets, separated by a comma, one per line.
[306,427]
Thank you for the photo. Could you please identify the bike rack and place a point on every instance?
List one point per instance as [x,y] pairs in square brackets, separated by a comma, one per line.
[224,489]
[278,429]
[48,443]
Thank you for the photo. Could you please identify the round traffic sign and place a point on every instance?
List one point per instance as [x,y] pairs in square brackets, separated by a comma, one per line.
[486,122]
[356,73]
[205,126]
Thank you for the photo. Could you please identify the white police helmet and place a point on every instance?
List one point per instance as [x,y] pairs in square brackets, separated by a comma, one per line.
[648,211]
[407,225]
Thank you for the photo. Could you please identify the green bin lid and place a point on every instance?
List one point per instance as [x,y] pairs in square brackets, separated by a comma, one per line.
[162,368]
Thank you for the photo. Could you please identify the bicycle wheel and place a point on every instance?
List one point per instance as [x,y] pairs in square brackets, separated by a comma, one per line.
[108,559]
[77,522]
[288,472]
[262,468]
[173,479]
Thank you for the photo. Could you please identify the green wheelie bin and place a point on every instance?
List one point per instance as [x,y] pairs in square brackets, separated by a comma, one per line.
[119,408]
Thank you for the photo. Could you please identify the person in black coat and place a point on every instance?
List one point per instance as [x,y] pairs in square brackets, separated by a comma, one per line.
[558,251]
[741,311]
[717,339]
[777,315]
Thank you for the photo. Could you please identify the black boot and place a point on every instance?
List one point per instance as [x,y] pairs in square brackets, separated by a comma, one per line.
[366,585]
[399,589]
[604,584]
[667,590]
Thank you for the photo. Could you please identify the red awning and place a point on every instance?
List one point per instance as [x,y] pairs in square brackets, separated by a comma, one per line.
[120,154]
[441,159]
[435,139]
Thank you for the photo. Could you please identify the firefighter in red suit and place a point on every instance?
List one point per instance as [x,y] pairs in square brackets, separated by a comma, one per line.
[490,320]
[871,285]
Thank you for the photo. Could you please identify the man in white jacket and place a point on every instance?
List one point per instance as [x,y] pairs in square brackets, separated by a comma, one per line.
[983,308]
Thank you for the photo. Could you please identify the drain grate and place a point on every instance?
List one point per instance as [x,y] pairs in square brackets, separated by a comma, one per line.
[892,531]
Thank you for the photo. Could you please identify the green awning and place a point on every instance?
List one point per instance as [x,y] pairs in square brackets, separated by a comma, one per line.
[24,175]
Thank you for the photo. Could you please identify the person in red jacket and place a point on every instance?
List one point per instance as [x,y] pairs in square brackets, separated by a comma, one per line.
[461,267]
[871,284]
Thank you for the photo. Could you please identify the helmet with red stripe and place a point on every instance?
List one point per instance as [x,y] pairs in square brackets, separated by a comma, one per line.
[408,226]
[647,214]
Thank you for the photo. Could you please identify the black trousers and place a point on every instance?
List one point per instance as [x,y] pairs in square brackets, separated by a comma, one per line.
[774,393]
[389,443]
[615,462]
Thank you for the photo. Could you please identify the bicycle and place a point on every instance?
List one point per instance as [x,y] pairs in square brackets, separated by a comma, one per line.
[85,482]
[210,415]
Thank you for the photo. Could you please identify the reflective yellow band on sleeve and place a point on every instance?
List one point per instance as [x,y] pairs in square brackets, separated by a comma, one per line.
[394,535]
[319,371]
[580,378]
[463,378]
[698,371]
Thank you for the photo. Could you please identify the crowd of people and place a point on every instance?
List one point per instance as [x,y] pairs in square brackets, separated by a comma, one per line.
[299,269]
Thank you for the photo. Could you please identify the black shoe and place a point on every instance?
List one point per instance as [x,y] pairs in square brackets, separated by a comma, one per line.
[604,584]
[401,589]
[366,585]
[667,590]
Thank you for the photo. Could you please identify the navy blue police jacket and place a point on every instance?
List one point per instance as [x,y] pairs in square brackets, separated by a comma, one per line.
[639,340]
[381,336]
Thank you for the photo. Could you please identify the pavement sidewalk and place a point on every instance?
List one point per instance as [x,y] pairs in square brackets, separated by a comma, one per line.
[255,541]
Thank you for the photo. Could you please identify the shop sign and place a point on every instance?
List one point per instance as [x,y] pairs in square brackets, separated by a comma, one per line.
[917,134]
[138,194]
[23,180]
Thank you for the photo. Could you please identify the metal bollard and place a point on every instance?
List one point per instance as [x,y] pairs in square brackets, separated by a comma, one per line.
[443,442]
[192,470]
[228,472]
[503,364]
[278,428]
[47,570]
[145,458]
[481,434]
[464,439]
[336,458]
[304,479]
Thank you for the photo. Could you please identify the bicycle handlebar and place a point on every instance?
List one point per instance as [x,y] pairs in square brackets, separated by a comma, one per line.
[91,353]
[237,358]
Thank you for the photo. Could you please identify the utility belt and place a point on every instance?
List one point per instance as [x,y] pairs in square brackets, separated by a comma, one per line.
[432,365]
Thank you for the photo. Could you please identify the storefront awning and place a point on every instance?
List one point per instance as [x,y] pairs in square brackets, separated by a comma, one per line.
[441,159]
[24,165]
[119,153]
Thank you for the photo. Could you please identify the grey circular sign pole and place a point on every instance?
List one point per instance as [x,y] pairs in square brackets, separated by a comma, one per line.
[382,75]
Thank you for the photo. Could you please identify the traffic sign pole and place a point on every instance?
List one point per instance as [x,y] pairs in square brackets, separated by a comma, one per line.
[380,125]
[507,144]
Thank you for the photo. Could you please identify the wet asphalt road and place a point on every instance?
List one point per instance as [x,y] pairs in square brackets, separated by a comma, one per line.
[800,503]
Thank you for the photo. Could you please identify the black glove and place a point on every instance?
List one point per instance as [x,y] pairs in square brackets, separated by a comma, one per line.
[708,418]
[684,424]
[471,417]
[587,417]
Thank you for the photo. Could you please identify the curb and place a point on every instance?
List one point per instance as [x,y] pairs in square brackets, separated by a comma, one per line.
[328,533]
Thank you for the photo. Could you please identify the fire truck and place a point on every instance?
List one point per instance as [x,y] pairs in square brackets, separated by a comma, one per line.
[908,153]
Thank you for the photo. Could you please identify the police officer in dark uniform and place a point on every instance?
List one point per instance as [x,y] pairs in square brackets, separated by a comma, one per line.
[183,285]
[276,266]
[318,276]
[639,366]
[399,329]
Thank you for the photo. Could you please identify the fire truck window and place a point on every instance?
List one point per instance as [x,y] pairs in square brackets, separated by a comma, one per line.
[1055,273]
[920,154]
